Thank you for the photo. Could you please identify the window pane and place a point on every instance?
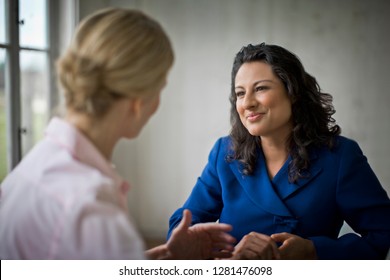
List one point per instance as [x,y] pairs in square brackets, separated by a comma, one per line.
[33,23]
[2,22]
[3,131]
[34,96]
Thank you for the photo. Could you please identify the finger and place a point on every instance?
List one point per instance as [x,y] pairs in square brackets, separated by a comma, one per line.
[223,236]
[280,237]
[255,239]
[186,220]
[262,245]
[223,246]
[221,254]
[248,254]
[222,226]
[214,227]
[275,250]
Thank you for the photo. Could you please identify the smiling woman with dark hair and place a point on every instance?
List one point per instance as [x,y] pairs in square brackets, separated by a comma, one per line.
[311,114]
[284,178]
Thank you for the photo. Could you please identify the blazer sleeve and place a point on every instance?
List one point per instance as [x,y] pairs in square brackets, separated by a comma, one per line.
[365,206]
[205,201]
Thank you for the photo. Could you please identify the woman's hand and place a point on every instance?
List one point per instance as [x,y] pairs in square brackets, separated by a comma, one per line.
[201,241]
[256,246]
[294,247]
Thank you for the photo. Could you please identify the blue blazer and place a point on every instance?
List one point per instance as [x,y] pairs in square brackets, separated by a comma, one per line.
[341,187]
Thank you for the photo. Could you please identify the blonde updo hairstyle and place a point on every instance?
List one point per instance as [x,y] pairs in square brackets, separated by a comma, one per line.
[115,53]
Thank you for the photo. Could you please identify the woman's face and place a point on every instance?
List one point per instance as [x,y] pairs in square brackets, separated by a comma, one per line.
[262,101]
[147,107]
[151,104]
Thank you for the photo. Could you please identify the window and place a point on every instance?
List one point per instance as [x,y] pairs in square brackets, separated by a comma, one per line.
[3,147]
[27,86]
[34,71]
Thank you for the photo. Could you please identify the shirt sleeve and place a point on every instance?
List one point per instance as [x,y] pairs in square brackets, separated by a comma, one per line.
[101,231]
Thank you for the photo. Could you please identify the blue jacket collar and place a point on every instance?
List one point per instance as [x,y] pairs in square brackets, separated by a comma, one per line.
[270,195]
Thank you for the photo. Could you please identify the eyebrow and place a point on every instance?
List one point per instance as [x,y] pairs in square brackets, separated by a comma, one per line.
[256,83]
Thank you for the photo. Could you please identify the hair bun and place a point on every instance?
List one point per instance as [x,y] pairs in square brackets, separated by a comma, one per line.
[81,78]
[114,53]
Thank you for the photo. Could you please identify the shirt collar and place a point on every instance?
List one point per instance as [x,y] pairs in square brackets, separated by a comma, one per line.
[82,149]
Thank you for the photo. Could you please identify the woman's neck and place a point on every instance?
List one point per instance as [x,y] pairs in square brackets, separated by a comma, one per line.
[100,132]
[274,150]
[275,146]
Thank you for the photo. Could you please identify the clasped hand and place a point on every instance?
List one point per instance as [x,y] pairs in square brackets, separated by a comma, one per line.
[260,246]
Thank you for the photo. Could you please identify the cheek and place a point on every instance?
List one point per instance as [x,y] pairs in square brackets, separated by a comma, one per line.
[153,106]
[240,112]
[286,110]
[268,101]
[239,108]
[278,102]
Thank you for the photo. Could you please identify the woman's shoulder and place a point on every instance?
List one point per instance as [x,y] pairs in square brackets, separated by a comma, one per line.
[225,141]
[343,142]
[223,145]
[342,146]
[221,149]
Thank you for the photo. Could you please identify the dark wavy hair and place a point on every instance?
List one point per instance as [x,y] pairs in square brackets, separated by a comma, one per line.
[312,110]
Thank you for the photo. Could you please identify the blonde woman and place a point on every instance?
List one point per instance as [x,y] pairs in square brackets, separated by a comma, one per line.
[65,200]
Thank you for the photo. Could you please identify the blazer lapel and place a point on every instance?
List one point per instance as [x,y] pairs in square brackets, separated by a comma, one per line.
[285,188]
[259,188]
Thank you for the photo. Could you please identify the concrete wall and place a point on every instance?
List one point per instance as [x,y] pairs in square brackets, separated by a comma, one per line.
[344,44]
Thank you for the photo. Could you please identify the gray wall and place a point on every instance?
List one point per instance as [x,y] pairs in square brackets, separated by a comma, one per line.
[344,44]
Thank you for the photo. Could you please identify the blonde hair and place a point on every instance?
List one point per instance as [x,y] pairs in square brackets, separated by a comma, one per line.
[115,53]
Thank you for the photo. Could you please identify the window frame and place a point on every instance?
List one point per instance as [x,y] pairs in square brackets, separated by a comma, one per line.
[14,129]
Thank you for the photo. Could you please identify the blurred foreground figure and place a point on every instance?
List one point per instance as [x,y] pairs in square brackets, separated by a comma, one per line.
[65,200]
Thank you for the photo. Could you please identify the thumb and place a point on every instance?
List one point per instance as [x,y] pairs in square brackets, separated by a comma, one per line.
[280,237]
[186,220]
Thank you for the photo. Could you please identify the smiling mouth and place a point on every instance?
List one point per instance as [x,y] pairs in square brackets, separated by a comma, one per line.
[255,117]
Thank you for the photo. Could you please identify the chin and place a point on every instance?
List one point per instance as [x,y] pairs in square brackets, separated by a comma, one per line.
[255,132]
[132,135]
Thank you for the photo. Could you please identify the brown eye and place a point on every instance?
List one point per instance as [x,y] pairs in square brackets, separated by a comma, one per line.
[261,88]
[240,93]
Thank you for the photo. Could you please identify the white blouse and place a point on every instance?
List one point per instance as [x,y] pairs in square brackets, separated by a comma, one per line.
[65,201]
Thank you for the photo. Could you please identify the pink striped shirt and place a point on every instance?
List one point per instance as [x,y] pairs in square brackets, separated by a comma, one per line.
[65,201]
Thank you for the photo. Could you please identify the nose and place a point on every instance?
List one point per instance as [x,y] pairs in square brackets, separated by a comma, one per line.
[249,100]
